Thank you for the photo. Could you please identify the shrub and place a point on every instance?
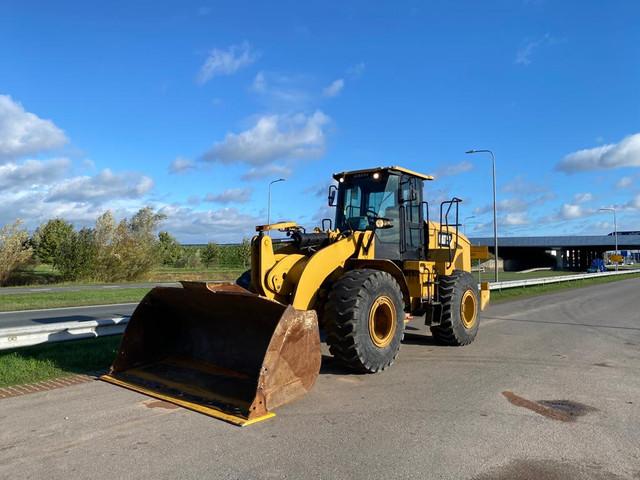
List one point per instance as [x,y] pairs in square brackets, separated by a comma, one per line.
[14,249]
[189,258]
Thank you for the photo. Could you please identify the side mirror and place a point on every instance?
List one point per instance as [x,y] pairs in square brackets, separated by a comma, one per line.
[333,193]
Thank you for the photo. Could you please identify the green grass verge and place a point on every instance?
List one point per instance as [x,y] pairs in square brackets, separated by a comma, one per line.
[40,275]
[43,362]
[32,301]
[498,296]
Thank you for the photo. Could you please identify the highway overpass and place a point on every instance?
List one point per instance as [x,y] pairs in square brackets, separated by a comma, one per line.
[573,252]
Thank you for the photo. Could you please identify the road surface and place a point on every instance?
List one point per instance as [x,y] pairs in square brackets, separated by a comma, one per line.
[438,413]
[27,318]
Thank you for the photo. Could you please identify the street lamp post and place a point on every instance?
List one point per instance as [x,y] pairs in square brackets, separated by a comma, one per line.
[615,227]
[464,225]
[269,202]
[495,209]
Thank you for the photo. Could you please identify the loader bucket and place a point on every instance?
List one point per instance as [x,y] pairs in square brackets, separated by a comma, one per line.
[218,349]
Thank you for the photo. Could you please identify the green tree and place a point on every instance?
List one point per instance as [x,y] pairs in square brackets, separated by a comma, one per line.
[211,254]
[169,250]
[15,250]
[48,237]
[244,252]
[76,258]
[129,249]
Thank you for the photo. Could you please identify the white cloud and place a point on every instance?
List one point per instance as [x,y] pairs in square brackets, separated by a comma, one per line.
[24,133]
[32,172]
[521,185]
[634,203]
[334,89]
[626,153]
[266,172]
[181,165]
[100,188]
[519,218]
[509,205]
[624,182]
[226,62]
[273,137]
[524,54]
[231,195]
[225,225]
[454,169]
[583,197]
[571,211]
[259,83]
[356,70]
[282,91]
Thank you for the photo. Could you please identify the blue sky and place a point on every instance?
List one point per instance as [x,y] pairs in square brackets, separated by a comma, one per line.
[192,107]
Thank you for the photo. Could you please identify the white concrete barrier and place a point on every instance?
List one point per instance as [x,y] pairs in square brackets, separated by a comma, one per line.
[555,279]
[15,337]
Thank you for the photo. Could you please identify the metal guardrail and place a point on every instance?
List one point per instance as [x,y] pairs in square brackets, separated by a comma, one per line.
[556,279]
[59,332]
[16,337]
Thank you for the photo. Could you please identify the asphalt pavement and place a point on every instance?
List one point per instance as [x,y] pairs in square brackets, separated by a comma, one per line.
[438,413]
[27,318]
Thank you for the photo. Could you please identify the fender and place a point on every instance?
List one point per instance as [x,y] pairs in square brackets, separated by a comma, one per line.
[386,266]
[323,263]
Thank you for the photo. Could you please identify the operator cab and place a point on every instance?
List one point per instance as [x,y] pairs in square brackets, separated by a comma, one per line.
[388,201]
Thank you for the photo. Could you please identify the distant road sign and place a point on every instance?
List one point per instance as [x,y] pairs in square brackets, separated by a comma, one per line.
[479,252]
[616,258]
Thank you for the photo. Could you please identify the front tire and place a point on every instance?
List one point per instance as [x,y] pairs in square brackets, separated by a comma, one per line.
[460,309]
[364,318]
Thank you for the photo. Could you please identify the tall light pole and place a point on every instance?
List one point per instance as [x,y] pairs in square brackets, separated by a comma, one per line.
[269,203]
[495,208]
[615,226]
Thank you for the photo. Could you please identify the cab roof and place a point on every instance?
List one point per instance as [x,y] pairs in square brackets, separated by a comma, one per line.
[381,169]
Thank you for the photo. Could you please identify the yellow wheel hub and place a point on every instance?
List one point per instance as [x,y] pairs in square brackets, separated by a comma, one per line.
[469,309]
[382,321]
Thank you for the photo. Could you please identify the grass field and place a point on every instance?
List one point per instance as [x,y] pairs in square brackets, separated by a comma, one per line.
[37,363]
[34,301]
[42,274]
[33,364]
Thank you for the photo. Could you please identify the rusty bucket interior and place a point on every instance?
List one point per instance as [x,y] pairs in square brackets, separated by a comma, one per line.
[218,349]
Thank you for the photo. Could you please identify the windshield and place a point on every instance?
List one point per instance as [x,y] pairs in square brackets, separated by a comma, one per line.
[364,199]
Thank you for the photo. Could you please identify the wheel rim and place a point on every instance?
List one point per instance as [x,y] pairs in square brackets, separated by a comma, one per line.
[382,321]
[469,309]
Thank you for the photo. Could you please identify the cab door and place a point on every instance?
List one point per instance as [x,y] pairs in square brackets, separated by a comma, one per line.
[411,218]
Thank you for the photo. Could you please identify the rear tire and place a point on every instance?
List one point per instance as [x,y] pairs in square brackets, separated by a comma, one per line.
[364,318]
[460,309]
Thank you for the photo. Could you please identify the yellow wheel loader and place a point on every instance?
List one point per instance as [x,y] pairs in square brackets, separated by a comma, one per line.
[237,351]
